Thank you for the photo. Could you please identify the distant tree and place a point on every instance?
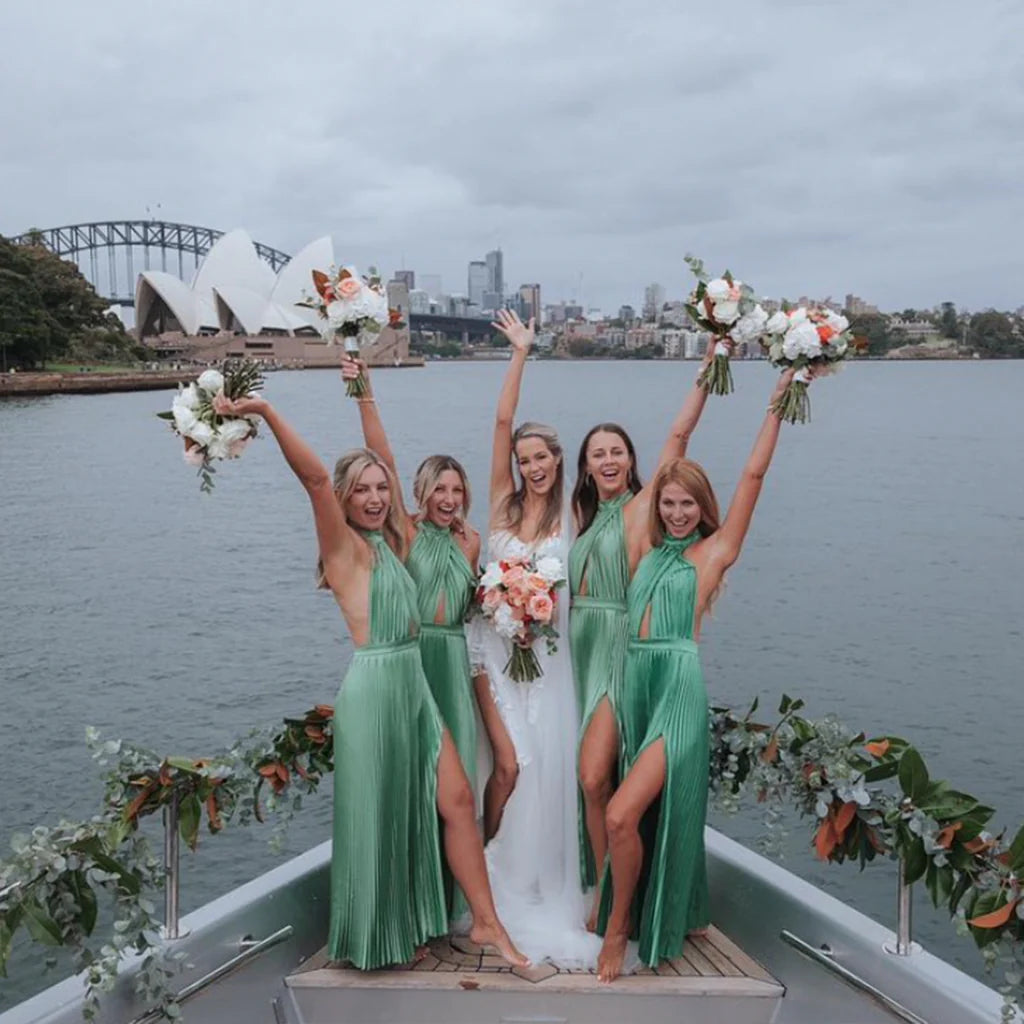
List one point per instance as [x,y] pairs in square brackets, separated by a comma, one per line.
[910,314]
[949,323]
[876,332]
[993,334]
[582,348]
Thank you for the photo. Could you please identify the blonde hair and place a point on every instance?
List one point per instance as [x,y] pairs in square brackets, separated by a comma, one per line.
[347,471]
[692,478]
[429,473]
[511,514]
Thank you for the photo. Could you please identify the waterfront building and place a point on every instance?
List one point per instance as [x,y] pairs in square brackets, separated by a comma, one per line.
[627,314]
[654,299]
[398,298]
[419,301]
[529,300]
[496,276]
[476,282]
[407,277]
[856,306]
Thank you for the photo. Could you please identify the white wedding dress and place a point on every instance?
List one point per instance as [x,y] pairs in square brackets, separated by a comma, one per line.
[533,861]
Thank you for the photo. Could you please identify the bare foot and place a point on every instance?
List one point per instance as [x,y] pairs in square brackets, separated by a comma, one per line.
[421,952]
[495,937]
[609,960]
[697,933]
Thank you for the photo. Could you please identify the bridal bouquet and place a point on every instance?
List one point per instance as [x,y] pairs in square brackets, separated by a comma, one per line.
[813,340]
[208,435]
[518,595]
[726,308]
[353,307]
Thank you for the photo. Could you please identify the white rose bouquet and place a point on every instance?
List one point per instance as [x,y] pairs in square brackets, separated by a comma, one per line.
[207,434]
[814,341]
[518,595]
[725,307]
[350,306]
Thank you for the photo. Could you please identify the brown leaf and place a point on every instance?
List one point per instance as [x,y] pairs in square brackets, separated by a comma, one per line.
[874,839]
[165,775]
[468,985]
[771,751]
[268,771]
[132,810]
[945,837]
[979,845]
[844,816]
[320,282]
[997,918]
[282,773]
[214,814]
[324,710]
[825,839]
[315,733]
[344,273]
[878,748]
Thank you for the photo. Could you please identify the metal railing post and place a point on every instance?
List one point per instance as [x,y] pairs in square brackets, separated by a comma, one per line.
[904,944]
[172,851]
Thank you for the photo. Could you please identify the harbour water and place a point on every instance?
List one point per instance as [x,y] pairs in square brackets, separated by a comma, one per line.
[882,578]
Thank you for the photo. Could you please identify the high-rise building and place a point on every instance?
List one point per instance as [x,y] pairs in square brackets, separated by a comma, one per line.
[431,284]
[408,277]
[419,301]
[477,282]
[495,275]
[627,313]
[529,302]
[492,301]
[654,299]
[398,297]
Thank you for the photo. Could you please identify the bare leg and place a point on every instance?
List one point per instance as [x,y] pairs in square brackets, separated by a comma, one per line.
[506,767]
[465,853]
[638,791]
[598,754]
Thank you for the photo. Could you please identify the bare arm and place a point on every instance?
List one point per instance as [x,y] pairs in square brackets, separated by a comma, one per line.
[520,337]
[337,540]
[724,545]
[374,436]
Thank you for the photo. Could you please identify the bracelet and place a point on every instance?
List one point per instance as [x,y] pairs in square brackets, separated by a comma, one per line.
[366,401]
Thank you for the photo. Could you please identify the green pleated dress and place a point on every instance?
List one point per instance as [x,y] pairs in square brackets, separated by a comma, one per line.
[663,696]
[387,888]
[598,628]
[440,570]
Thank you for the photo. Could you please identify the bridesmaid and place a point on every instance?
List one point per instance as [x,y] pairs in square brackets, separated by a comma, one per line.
[658,891]
[396,770]
[608,500]
[443,550]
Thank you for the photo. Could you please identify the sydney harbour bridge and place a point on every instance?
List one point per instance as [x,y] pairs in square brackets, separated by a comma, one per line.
[111,254]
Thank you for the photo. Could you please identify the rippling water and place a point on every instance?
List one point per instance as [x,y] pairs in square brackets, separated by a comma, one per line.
[882,578]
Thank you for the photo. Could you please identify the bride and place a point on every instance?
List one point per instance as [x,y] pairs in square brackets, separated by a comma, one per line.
[530,797]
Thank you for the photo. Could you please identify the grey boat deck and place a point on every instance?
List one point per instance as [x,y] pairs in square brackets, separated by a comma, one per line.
[713,981]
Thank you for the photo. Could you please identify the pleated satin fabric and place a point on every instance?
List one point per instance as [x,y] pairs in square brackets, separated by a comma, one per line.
[387,887]
[445,580]
[663,697]
[598,628]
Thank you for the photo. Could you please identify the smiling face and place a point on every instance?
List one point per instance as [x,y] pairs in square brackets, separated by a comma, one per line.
[367,505]
[537,464]
[608,461]
[678,510]
[447,500]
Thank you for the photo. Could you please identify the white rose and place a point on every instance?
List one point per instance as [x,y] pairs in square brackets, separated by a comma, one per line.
[187,398]
[184,418]
[837,323]
[726,312]
[797,316]
[776,353]
[718,290]
[801,340]
[550,568]
[491,577]
[218,447]
[750,325]
[201,433]
[234,430]
[211,381]
[505,624]
[778,323]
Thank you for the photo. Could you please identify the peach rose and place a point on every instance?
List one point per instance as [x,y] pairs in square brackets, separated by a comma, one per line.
[537,583]
[513,576]
[492,599]
[349,288]
[541,607]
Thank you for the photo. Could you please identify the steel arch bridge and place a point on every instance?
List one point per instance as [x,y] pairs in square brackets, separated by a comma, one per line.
[123,241]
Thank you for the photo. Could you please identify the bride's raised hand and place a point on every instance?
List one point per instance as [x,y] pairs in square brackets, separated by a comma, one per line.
[251,405]
[520,335]
[351,368]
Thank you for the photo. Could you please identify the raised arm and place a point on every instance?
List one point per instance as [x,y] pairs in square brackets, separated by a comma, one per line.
[520,337]
[726,542]
[337,540]
[374,436]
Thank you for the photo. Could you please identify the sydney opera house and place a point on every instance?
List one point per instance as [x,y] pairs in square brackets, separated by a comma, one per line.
[236,305]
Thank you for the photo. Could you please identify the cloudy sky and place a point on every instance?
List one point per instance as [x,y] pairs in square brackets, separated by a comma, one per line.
[815,146]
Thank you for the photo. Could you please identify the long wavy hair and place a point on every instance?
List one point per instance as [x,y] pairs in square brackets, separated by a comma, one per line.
[429,473]
[510,515]
[585,498]
[347,471]
[692,478]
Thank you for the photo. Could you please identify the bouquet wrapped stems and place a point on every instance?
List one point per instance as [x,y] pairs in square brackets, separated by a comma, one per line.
[794,404]
[716,377]
[358,386]
[523,666]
